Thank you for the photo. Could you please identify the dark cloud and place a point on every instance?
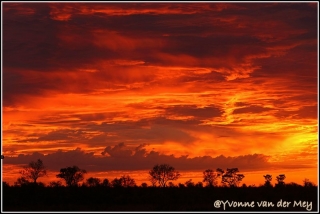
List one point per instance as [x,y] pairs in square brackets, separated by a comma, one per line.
[210,77]
[251,109]
[185,32]
[118,151]
[120,157]
[305,112]
[123,158]
[63,134]
[69,37]
[192,110]
[153,130]
[298,61]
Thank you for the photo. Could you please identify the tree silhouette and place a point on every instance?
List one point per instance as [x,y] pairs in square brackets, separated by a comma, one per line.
[268,179]
[153,181]
[199,184]
[5,184]
[189,183]
[231,177]
[293,184]
[180,185]
[144,185]
[93,182]
[124,181]
[220,172]
[106,183]
[280,180]
[72,175]
[308,183]
[171,184]
[22,181]
[163,173]
[55,184]
[33,171]
[210,177]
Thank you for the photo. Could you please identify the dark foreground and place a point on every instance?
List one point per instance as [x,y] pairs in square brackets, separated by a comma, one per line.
[159,199]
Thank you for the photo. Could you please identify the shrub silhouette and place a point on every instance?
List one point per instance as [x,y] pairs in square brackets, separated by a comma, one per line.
[22,181]
[144,185]
[189,183]
[308,183]
[55,184]
[93,182]
[124,181]
[106,183]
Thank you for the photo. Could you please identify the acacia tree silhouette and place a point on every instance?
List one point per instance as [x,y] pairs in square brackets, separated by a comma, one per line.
[280,180]
[210,177]
[163,173]
[231,177]
[268,179]
[72,175]
[33,171]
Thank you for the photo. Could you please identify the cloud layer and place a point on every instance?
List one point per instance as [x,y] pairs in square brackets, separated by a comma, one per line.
[209,80]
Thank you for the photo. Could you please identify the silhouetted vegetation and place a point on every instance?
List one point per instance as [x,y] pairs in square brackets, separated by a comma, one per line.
[93,182]
[106,183]
[72,175]
[268,179]
[33,171]
[162,174]
[185,197]
[280,180]
[308,183]
[124,181]
[55,184]
[122,194]
[210,178]
[231,178]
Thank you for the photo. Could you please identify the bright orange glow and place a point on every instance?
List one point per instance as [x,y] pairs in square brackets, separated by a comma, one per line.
[118,88]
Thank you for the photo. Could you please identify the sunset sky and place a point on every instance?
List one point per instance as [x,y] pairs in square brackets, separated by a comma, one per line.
[116,88]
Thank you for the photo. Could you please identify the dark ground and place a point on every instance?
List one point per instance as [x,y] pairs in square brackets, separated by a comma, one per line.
[36,198]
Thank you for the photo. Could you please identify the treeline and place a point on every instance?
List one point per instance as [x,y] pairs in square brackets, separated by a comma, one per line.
[182,198]
[161,175]
[123,194]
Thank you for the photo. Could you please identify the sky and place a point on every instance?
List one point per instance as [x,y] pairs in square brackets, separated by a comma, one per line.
[116,88]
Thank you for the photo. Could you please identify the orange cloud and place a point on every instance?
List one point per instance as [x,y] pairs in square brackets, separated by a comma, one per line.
[201,80]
